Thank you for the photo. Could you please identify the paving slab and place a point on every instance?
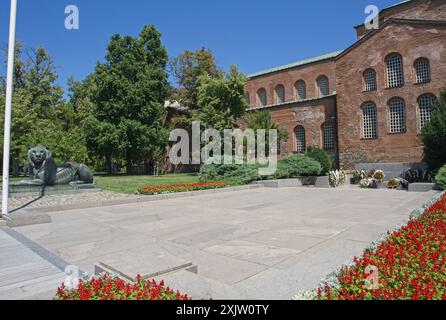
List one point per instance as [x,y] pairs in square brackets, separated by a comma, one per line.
[25,272]
[257,243]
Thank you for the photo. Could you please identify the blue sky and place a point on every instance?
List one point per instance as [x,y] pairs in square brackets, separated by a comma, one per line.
[253,34]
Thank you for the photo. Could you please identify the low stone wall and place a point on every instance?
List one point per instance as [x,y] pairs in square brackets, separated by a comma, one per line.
[391,170]
[319,182]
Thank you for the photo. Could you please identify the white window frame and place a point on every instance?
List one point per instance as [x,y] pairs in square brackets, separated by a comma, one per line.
[301,90]
[280,99]
[301,141]
[425,108]
[320,82]
[422,71]
[369,121]
[369,77]
[260,102]
[395,71]
[397,116]
[328,136]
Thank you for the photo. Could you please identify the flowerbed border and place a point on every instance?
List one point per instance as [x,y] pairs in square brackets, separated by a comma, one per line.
[140,199]
[332,278]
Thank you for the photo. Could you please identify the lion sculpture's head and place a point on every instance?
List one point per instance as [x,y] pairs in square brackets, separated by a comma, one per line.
[38,155]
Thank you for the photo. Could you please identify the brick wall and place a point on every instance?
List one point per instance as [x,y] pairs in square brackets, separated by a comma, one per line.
[412,41]
[309,73]
[416,9]
[310,115]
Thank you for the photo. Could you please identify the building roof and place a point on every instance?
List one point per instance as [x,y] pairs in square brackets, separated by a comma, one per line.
[385,24]
[297,64]
[389,7]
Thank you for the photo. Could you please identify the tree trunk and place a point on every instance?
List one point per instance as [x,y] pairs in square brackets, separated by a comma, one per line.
[129,165]
[109,164]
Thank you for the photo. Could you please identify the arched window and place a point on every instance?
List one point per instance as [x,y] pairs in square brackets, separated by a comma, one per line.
[248,98]
[328,136]
[323,86]
[422,71]
[369,80]
[397,116]
[425,105]
[301,90]
[280,94]
[369,121]
[261,97]
[395,76]
[301,145]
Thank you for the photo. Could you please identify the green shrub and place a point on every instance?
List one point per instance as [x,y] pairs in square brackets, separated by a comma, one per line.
[440,179]
[433,135]
[208,173]
[322,157]
[232,174]
[297,166]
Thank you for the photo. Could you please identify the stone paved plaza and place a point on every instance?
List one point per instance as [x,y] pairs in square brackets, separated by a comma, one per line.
[254,244]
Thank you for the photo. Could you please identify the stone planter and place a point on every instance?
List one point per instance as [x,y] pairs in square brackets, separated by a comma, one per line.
[322,182]
[289,183]
[421,187]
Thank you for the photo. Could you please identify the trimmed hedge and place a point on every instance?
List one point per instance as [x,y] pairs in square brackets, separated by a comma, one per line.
[322,157]
[297,166]
[440,178]
[232,174]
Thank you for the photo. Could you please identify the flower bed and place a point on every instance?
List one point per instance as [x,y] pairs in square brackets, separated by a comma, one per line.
[110,288]
[409,264]
[181,187]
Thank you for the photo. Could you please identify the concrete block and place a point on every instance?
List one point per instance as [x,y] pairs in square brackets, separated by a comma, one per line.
[322,182]
[421,187]
[24,218]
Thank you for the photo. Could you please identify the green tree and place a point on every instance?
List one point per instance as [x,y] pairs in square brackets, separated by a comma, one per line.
[40,114]
[221,100]
[262,120]
[187,69]
[128,97]
[434,135]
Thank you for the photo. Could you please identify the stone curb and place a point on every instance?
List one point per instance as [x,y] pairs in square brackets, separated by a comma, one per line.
[140,199]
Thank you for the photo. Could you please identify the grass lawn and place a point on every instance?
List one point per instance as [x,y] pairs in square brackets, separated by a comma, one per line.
[130,184]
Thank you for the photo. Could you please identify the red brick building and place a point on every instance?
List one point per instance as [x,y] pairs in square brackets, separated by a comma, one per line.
[367,104]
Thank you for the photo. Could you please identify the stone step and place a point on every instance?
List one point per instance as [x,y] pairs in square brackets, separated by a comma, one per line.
[148,262]
[198,287]
[25,218]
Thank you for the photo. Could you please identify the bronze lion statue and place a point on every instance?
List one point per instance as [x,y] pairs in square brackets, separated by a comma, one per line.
[44,171]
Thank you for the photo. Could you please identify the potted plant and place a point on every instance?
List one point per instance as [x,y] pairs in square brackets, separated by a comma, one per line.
[357,177]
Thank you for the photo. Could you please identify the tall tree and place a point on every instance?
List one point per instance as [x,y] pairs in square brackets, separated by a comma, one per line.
[434,135]
[39,112]
[221,100]
[129,92]
[187,69]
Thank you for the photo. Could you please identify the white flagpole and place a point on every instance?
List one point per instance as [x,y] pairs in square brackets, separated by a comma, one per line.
[9,84]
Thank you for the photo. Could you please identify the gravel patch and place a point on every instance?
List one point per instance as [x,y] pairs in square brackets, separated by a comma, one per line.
[32,201]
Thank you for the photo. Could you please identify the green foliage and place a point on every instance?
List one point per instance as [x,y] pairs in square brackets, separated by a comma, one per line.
[39,113]
[322,157]
[187,68]
[128,96]
[440,179]
[434,135]
[297,166]
[221,101]
[233,174]
[262,120]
